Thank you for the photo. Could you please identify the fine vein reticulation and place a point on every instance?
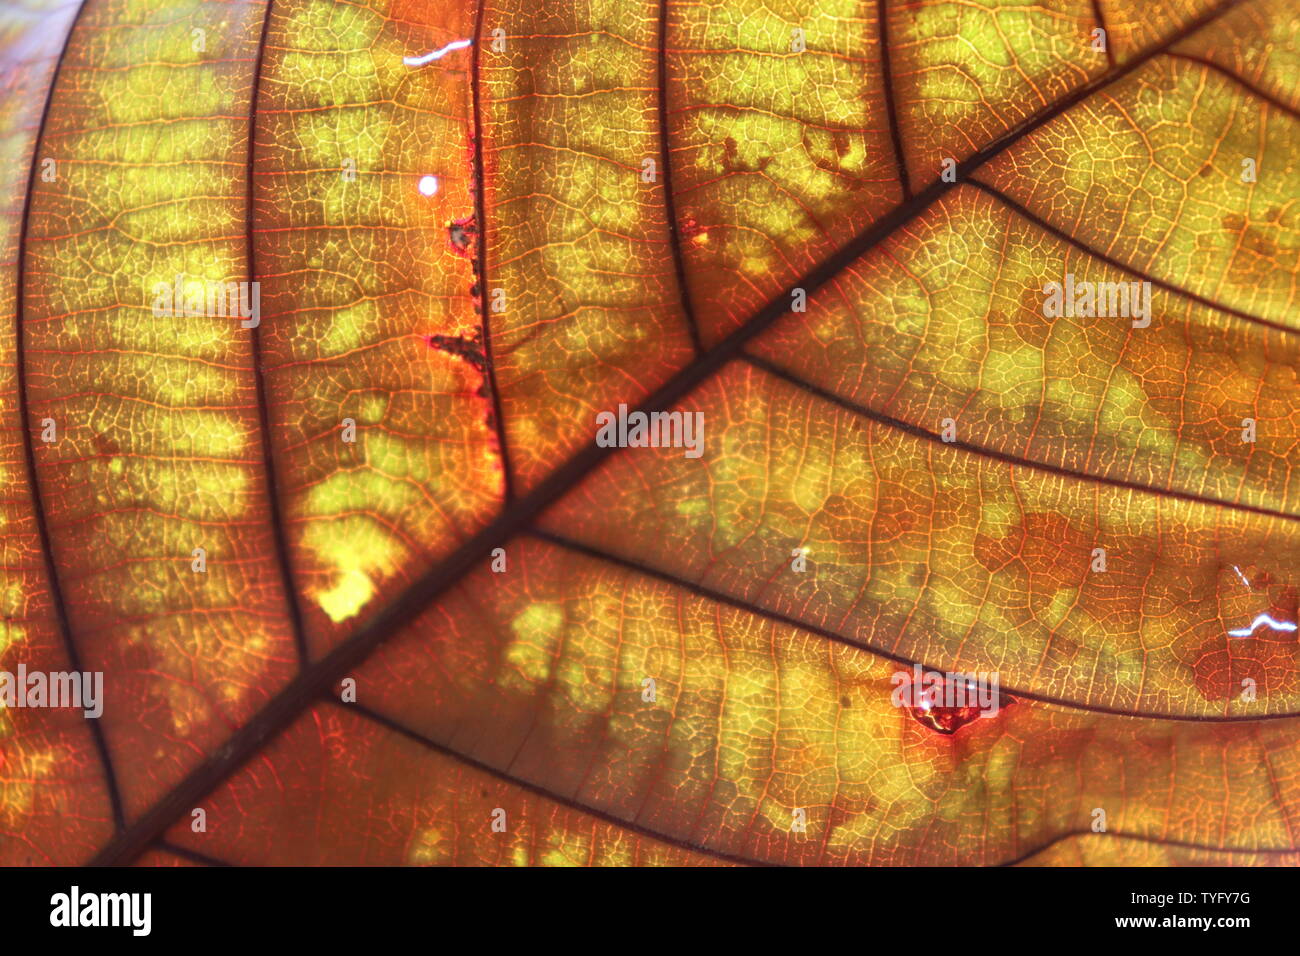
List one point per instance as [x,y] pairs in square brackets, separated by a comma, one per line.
[314,680]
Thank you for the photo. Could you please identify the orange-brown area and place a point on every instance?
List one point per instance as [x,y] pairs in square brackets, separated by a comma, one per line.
[1049,549]
[1043,554]
[1267,661]
[1268,658]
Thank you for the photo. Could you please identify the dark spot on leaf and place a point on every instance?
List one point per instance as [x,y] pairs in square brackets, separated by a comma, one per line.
[956,701]
[462,235]
[732,162]
[467,348]
[1258,242]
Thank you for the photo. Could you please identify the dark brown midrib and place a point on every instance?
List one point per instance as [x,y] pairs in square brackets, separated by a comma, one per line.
[296,696]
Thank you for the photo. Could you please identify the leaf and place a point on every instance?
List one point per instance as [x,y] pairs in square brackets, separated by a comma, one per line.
[612,203]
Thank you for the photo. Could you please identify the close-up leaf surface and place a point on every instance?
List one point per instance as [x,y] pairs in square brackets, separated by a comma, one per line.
[363,584]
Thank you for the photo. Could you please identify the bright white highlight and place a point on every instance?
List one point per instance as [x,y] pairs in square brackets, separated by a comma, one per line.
[428,185]
[436,54]
[1240,575]
[1262,619]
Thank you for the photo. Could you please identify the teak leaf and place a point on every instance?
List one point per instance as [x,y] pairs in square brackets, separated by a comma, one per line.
[585,432]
